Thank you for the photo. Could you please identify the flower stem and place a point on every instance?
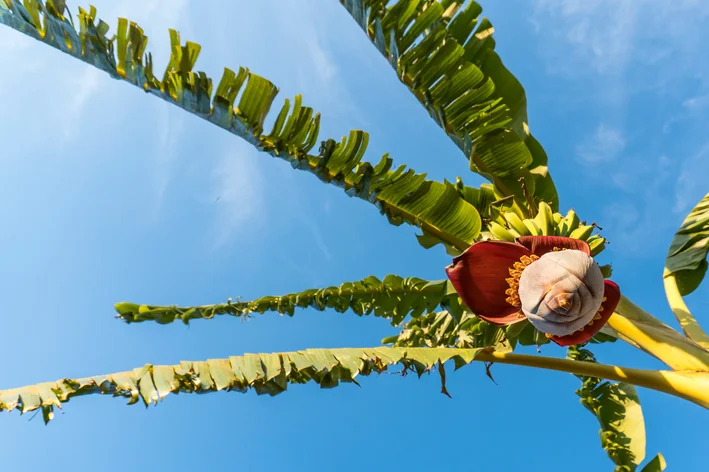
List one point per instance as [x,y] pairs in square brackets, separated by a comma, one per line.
[639,328]
[692,386]
[689,325]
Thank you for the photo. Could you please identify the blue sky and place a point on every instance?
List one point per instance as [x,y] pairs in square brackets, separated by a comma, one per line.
[107,194]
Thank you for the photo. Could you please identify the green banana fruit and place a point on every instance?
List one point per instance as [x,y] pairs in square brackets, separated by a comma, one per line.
[582,232]
[532,227]
[515,222]
[571,222]
[545,219]
[499,219]
[500,232]
[607,271]
[597,244]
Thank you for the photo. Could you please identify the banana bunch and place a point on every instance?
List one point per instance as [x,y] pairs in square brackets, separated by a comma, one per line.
[508,226]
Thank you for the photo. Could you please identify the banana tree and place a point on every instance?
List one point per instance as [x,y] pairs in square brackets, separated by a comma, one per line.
[520,273]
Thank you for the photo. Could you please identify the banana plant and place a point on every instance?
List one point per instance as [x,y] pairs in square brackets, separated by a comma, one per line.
[522,273]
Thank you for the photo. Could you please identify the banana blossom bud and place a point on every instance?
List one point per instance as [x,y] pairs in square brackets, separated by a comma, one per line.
[550,280]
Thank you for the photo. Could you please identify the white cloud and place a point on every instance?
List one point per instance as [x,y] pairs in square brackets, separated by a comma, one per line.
[691,183]
[605,145]
[297,19]
[170,128]
[696,103]
[154,16]
[627,222]
[13,42]
[16,57]
[618,49]
[658,188]
[324,63]
[314,45]
[599,32]
[237,195]
[607,33]
[627,52]
[85,88]
[319,241]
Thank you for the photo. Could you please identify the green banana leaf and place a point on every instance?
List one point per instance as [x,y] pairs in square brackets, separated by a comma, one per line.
[264,373]
[455,327]
[444,329]
[617,407]
[687,256]
[657,464]
[240,104]
[444,52]
[393,298]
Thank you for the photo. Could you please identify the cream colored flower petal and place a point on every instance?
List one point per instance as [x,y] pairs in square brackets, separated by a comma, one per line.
[555,273]
[538,279]
[568,285]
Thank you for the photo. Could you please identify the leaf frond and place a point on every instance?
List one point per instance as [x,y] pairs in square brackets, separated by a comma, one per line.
[240,104]
[687,255]
[444,52]
[393,298]
[264,373]
[617,407]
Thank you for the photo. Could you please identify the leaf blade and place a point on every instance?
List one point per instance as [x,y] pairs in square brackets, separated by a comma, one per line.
[393,298]
[445,56]
[263,373]
[617,408]
[404,197]
[687,254]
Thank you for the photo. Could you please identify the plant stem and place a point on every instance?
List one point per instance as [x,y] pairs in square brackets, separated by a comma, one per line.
[639,328]
[692,386]
[689,325]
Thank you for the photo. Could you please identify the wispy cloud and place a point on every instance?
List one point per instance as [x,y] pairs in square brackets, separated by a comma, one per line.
[314,46]
[85,87]
[612,34]
[237,193]
[314,56]
[600,32]
[307,38]
[170,129]
[16,60]
[622,48]
[604,145]
[153,15]
[13,41]
[691,183]
[632,55]
[323,61]
[319,241]
[630,220]
[696,103]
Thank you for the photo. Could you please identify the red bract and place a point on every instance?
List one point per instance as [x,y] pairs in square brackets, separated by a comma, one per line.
[486,276]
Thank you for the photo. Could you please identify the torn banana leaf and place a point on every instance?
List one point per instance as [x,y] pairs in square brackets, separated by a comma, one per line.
[444,52]
[264,373]
[240,104]
[687,256]
[617,407]
[393,298]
